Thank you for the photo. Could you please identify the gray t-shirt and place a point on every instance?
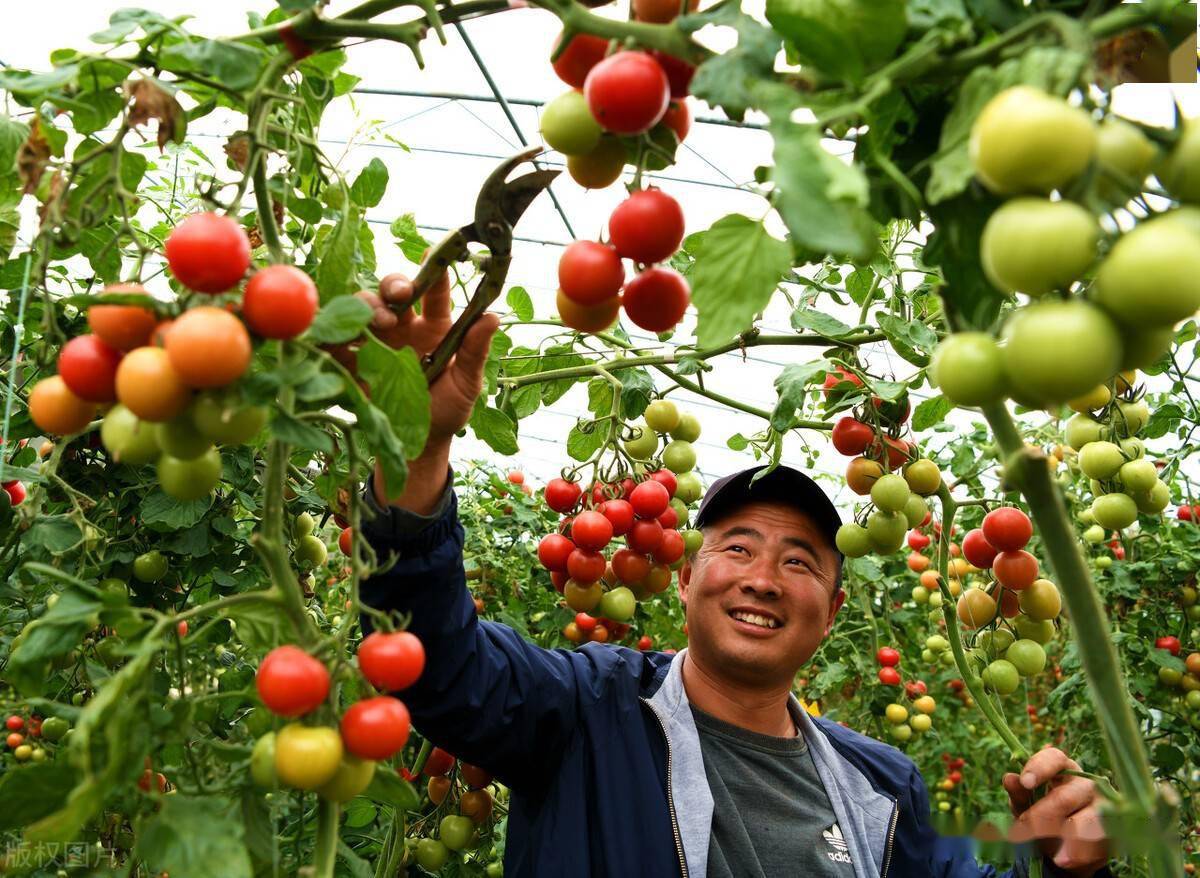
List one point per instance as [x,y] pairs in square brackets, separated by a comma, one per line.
[771,815]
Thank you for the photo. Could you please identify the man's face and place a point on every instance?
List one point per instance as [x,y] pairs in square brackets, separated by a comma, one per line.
[762,563]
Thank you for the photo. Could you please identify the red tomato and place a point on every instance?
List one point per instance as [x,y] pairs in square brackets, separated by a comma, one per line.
[645,536]
[1007,528]
[667,479]
[475,777]
[559,580]
[1184,513]
[669,519]
[1169,643]
[181,628]
[208,347]
[851,436]
[582,54]
[1118,553]
[620,514]
[627,92]
[977,550]
[438,764]
[591,530]
[670,547]
[1015,570]
[889,676]
[656,299]
[888,657]
[839,376]
[14,723]
[391,661]
[659,11]
[679,73]
[647,227]
[897,451]
[561,495]
[586,567]
[644,643]
[16,493]
[679,119]
[280,302]
[208,252]
[89,368]
[345,540]
[376,728]
[291,682]
[553,551]
[123,327]
[629,566]
[516,477]
[590,273]
[602,492]
[650,499]
[584,622]
[917,540]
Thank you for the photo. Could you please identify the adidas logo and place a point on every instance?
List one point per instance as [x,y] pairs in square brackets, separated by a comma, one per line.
[833,837]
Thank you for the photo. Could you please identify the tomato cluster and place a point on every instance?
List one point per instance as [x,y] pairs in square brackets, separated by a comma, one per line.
[168,384]
[646,228]
[28,735]
[453,783]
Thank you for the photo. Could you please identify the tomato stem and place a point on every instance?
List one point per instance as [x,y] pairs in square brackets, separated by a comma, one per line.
[325,854]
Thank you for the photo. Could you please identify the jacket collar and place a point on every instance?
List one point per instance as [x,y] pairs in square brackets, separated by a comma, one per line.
[863,813]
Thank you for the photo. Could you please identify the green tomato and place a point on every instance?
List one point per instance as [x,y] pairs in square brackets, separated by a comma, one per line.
[127,438]
[1037,631]
[923,477]
[226,421]
[54,728]
[692,541]
[1132,447]
[1114,511]
[890,493]
[688,488]
[618,604]
[568,125]
[1130,417]
[1027,656]
[997,641]
[311,551]
[679,456]
[1180,172]
[1104,562]
[109,651]
[935,601]
[1034,245]
[969,369]
[302,526]
[915,510]
[1138,476]
[1126,154]
[643,444]
[853,540]
[457,832]
[662,416]
[921,723]
[1083,429]
[601,167]
[494,870]
[1155,500]
[1025,140]
[307,757]
[353,776]
[688,428]
[1150,279]
[1056,351]
[937,643]
[149,567]
[1192,699]
[886,531]
[179,438]
[681,513]
[1001,676]
[1170,677]
[432,854]
[902,732]
[262,762]
[188,480]
[1144,348]
[928,655]
[1100,460]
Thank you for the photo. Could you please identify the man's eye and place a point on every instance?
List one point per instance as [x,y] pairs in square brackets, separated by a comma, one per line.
[736,549]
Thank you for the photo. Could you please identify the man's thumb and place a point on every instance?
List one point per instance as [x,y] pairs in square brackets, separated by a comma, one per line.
[470,358]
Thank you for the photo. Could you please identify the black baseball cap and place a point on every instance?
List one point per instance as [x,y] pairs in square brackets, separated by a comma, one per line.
[781,485]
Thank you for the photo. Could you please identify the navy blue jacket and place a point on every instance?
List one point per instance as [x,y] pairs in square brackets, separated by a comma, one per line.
[598,745]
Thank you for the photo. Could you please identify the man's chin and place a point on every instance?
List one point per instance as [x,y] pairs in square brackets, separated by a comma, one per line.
[751,663]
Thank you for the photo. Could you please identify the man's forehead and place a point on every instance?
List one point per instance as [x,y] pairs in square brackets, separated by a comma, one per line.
[767,518]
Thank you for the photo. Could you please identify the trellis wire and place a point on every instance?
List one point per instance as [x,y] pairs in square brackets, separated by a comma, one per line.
[18,333]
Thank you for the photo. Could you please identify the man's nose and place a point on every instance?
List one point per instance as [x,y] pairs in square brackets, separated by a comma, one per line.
[762,578]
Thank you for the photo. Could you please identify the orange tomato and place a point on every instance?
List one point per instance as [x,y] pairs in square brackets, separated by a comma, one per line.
[149,386]
[123,327]
[209,347]
[55,409]
[861,475]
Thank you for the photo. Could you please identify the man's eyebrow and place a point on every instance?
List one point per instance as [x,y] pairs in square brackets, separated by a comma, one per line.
[801,543]
[740,531]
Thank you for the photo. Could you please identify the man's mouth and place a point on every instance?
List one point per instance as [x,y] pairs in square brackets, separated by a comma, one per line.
[757,619]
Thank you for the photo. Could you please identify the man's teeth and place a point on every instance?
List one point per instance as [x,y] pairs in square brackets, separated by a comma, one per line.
[761,621]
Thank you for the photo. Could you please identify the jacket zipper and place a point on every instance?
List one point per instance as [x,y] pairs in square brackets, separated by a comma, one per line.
[887,851]
[670,798]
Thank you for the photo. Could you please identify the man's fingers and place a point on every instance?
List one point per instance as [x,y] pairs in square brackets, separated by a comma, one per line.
[1019,798]
[471,357]
[1044,765]
[436,301]
[1047,818]
[1084,840]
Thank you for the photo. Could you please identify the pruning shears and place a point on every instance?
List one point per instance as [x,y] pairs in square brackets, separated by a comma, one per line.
[500,204]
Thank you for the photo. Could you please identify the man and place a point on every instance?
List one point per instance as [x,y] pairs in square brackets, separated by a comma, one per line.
[645,764]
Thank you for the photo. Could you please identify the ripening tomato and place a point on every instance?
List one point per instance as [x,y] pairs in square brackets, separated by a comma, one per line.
[650,499]
[307,757]
[553,551]
[123,327]
[1170,643]
[16,493]
[620,513]
[475,777]
[627,92]
[679,119]
[647,227]
[601,167]
[656,299]
[583,53]
[660,11]
[591,530]
[280,302]
[561,495]
[645,536]
[345,541]
[149,386]
[670,547]
[55,409]
[1015,570]
[889,676]
[590,273]
[1007,528]
[851,436]
[391,661]
[861,475]
[438,763]
[585,566]
[209,347]
[977,550]
[291,682]
[208,252]
[89,368]
[629,566]
[679,73]
[376,728]
[587,318]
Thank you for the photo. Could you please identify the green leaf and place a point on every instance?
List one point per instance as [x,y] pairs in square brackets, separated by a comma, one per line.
[636,389]
[931,411]
[337,270]
[912,339]
[323,385]
[791,384]
[389,788]
[59,630]
[197,837]
[806,317]
[259,625]
[600,396]
[99,244]
[954,248]
[520,302]
[12,135]
[399,390]
[495,428]
[1163,420]
[31,792]
[357,866]
[28,86]
[299,433]
[1169,759]
[370,184]
[842,38]
[737,269]
[55,534]
[410,240]
[726,80]
[738,442]
[234,65]
[340,320]
[581,444]
[382,440]
[159,509]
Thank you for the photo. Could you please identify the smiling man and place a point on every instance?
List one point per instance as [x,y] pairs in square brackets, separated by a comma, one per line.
[625,763]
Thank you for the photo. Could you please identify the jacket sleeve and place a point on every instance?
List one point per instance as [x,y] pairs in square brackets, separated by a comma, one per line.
[954,856]
[486,695]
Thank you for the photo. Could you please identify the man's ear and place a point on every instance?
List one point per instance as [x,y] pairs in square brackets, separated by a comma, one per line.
[835,604]
[685,581]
